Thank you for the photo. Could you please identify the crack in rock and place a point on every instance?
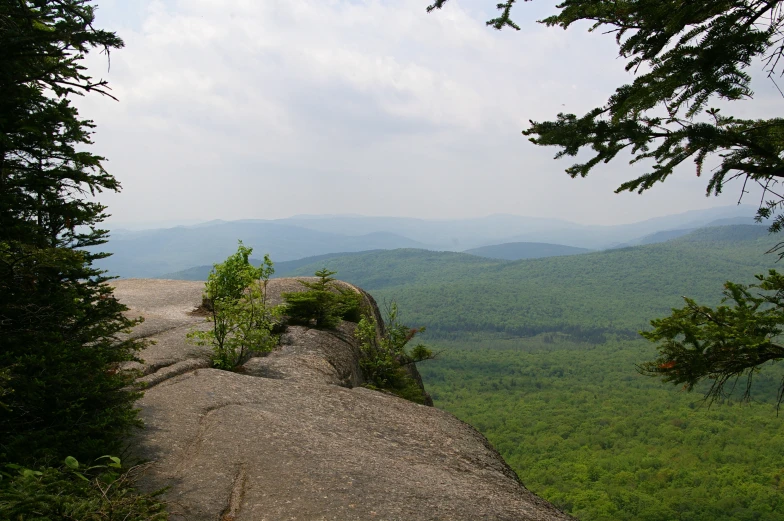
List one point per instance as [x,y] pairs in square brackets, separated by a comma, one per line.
[234,503]
[172,370]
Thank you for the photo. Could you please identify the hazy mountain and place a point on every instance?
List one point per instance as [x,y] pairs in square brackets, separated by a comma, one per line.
[667,235]
[452,234]
[282,269]
[525,250]
[155,252]
[602,237]
[151,253]
[464,234]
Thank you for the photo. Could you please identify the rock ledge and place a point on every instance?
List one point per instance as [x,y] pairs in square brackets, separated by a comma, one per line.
[296,438]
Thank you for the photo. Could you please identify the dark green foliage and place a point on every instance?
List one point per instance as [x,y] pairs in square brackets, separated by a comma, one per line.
[72,493]
[385,357]
[499,23]
[725,343]
[59,343]
[44,171]
[59,323]
[324,304]
[350,306]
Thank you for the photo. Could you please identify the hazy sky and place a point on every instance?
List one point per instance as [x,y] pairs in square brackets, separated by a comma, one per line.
[266,109]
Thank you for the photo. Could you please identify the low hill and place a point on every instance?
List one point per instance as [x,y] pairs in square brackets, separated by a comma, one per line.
[525,250]
[586,296]
[282,269]
[666,235]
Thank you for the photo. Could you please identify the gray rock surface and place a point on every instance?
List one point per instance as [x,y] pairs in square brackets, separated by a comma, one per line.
[168,309]
[294,438]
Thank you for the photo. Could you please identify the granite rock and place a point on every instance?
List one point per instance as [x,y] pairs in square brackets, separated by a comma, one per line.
[294,435]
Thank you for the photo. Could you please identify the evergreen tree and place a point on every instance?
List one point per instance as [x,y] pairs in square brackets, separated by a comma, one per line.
[324,304]
[59,322]
[691,54]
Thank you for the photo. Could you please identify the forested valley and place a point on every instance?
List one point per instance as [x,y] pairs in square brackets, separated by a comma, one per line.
[540,356]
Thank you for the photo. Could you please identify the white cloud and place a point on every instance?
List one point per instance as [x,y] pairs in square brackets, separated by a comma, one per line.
[267,109]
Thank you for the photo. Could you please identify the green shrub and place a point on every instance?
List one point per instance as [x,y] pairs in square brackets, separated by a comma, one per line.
[325,303]
[242,322]
[73,492]
[384,357]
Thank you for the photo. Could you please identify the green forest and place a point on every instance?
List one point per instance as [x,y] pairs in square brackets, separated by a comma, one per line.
[541,356]
[585,431]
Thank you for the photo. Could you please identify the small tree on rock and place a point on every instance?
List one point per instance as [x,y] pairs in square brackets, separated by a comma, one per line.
[325,303]
[242,322]
[385,354]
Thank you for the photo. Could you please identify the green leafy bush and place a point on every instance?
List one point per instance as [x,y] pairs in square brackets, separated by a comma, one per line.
[384,357]
[325,303]
[102,492]
[242,322]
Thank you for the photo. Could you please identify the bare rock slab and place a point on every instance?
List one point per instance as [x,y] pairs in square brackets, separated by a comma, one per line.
[167,307]
[240,447]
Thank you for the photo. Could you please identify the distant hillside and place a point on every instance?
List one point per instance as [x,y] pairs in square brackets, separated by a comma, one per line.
[663,236]
[282,269]
[463,234]
[525,250]
[587,296]
[666,235]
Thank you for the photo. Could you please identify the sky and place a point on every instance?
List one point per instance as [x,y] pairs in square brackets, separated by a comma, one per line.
[267,109]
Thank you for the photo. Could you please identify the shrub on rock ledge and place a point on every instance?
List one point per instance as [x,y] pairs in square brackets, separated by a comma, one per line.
[242,322]
[325,303]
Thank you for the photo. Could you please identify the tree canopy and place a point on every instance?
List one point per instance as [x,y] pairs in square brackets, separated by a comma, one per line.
[686,58]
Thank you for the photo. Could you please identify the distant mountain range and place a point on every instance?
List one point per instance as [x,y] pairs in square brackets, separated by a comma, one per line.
[464,234]
[155,252]
[667,235]
[158,252]
[282,269]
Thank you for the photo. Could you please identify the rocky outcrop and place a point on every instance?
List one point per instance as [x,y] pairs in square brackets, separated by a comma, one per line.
[295,437]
